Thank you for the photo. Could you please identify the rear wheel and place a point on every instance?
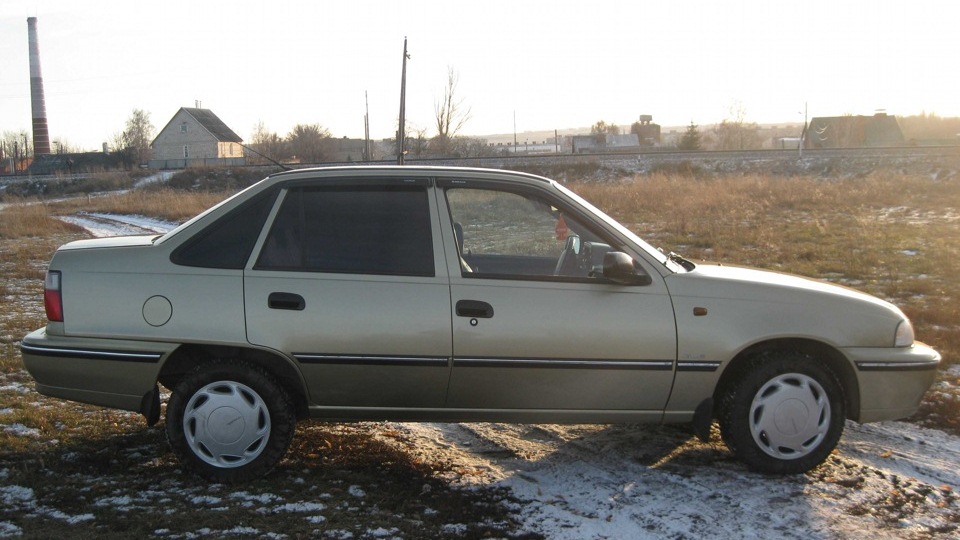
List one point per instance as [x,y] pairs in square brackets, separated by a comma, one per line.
[785,415]
[229,422]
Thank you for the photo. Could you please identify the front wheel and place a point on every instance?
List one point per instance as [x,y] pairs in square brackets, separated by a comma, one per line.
[785,416]
[229,422]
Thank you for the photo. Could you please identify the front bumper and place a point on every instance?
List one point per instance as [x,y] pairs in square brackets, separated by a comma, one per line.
[107,372]
[892,381]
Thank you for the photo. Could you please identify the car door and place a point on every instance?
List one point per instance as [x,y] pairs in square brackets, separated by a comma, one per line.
[532,329]
[347,281]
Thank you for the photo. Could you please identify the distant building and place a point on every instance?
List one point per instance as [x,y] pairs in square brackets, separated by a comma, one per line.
[346,150]
[196,137]
[77,163]
[853,132]
[591,144]
[647,131]
[547,146]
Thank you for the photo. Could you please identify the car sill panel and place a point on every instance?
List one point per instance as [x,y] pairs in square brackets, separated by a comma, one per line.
[653,365]
[92,354]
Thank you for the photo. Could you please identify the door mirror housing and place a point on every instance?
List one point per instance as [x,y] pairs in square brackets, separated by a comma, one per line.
[620,268]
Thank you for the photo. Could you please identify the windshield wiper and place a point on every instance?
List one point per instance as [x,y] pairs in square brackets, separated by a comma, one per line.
[687,264]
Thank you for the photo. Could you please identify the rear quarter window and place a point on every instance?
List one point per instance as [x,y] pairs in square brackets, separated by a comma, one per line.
[227,242]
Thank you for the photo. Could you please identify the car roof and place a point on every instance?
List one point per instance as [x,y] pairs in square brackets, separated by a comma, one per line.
[407,171]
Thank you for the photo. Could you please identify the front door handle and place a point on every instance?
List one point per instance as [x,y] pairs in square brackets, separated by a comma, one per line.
[282,300]
[475,309]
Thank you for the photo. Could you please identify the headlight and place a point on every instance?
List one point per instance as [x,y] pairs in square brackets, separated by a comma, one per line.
[904,337]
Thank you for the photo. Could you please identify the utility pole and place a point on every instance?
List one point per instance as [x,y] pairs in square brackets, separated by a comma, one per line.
[803,132]
[514,132]
[366,128]
[401,133]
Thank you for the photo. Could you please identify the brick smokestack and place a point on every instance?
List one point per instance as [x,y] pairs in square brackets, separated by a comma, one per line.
[41,136]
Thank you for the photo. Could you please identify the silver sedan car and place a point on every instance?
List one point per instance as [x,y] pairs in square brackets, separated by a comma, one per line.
[449,294]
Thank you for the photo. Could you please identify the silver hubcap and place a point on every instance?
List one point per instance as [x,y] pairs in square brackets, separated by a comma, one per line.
[790,416]
[226,424]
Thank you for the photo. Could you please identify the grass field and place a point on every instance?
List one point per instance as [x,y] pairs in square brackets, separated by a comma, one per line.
[890,234]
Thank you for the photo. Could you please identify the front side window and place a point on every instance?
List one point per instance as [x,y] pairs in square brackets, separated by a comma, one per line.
[356,230]
[513,235]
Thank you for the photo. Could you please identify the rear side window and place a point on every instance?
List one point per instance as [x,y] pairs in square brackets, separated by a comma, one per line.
[353,230]
[227,242]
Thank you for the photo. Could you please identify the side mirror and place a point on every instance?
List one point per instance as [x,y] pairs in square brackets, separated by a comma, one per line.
[620,268]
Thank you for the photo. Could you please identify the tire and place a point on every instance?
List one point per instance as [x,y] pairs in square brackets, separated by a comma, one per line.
[785,415]
[229,422]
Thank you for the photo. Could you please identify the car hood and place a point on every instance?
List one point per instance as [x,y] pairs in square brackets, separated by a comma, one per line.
[755,305]
[734,282]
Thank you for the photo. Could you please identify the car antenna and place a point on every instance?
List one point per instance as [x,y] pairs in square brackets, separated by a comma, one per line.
[268,158]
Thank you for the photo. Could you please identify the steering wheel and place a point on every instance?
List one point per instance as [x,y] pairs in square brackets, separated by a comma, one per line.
[569,260]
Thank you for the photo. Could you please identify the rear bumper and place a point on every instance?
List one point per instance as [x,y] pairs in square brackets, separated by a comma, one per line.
[893,380]
[107,372]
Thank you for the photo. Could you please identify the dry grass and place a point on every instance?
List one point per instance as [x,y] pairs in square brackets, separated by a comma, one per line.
[25,218]
[169,204]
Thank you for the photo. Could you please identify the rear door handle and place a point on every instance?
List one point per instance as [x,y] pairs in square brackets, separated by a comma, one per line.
[475,309]
[282,300]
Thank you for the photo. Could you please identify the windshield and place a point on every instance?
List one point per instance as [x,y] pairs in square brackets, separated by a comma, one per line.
[652,251]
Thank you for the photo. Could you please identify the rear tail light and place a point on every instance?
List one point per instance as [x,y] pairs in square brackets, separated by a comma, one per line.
[52,298]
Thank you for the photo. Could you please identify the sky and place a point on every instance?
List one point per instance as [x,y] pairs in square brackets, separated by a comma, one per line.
[522,65]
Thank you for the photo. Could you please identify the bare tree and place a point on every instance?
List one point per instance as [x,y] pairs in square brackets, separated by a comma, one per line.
[268,144]
[601,129]
[119,146]
[472,147]
[18,146]
[61,145]
[137,136]
[417,141]
[310,143]
[735,133]
[451,115]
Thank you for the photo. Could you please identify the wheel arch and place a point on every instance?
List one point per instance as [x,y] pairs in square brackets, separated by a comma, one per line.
[820,352]
[188,356]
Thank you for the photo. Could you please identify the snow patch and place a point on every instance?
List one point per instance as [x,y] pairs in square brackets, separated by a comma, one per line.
[338,534]
[16,496]
[103,225]
[205,499]
[161,176]
[15,388]
[9,530]
[380,532]
[293,507]
[262,498]
[20,430]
